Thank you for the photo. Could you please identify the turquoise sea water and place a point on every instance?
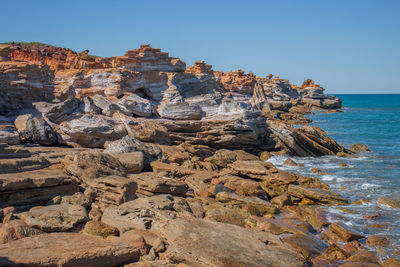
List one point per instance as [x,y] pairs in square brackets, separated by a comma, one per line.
[373,120]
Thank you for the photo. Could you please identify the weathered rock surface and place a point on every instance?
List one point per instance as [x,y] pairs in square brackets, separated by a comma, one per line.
[35,187]
[55,218]
[88,165]
[318,195]
[150,183]
[218,244]
[67,249]
[391,202]
[16,229]
[35,130]
[90,131]
[141,213]
[111,190]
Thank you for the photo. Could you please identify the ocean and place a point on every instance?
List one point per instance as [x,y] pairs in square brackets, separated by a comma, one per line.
[373,120]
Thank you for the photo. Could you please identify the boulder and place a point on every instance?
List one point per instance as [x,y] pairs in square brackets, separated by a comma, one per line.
[54,218]
[88,165]
[129,144]
[112,189]
[264,207]
[133,161]
[34,129]
[219,244]
[150,183]
[137,105]
[391,202]
[90,130]
[180,111]
[145,130]
[141,213]
[377,240]
[307,244]
[67,249]
[357,148]
[344,232]
[98,228]
[59,112]
[16,229]
[317,195]
[304,142]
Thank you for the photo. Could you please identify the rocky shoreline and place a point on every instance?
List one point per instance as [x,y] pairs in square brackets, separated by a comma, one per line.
[137,160]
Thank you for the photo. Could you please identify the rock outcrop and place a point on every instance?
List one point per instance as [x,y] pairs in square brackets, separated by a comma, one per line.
[141,161]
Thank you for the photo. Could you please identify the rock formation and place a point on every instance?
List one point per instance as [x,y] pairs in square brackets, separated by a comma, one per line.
[138,160]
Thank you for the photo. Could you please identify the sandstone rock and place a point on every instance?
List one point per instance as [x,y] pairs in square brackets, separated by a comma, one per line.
[291,162]
[277,227]
[137,105]
[262,206]
[334,253]
[100,229]
[344,232]
[282,200]
[8,132]
[391,202]
[317,195]
[377,240]
[129,144]
[16,229]
[265,155]
[133,161]
[200,67]
[23,83]
[306,141]
[357,148]
[145,130]
[112,189]
[243,187]
[308,245]
[87,165]
[59,112]
[219,244]
[76,199]
[175,154]
[30,188]
[141,213]
[150,183]
[90,130]
[180,111]
[14,165]
[227,215]
[66,249]
[35,130]
[391,262]
[150,238]
[63,217]
[365,257]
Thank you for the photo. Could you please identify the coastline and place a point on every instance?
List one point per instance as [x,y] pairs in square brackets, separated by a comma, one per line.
[144,152]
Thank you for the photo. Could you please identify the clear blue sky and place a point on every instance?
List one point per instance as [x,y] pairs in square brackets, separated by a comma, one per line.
[348,46]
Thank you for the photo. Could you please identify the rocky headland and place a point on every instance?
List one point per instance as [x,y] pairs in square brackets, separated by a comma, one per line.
[139,160]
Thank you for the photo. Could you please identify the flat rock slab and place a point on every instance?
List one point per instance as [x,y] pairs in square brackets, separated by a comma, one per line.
[317,195]
[61,217]
[150,183]
[13,165]
[203,243]
[66,249]
[141,213]
[27,189]
[33,179]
